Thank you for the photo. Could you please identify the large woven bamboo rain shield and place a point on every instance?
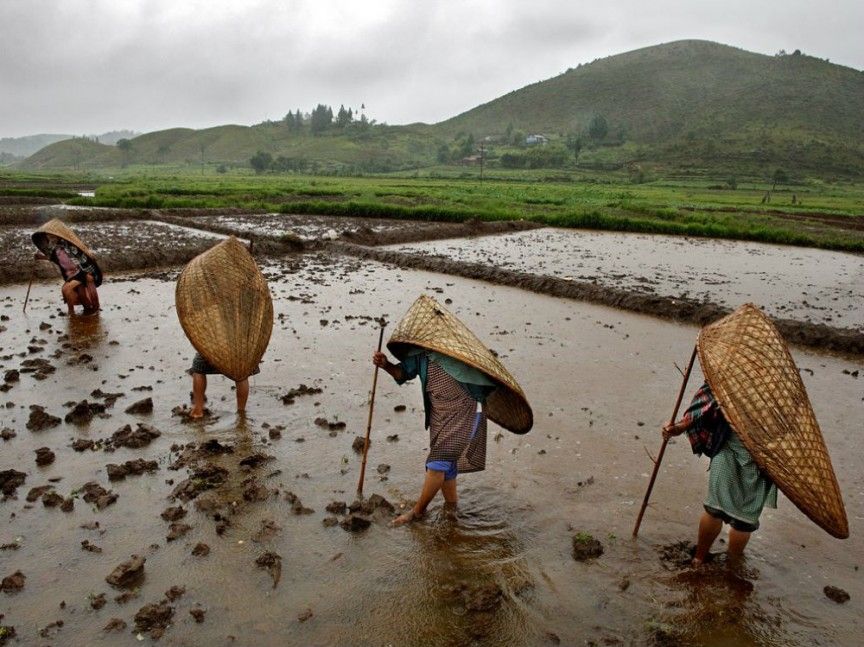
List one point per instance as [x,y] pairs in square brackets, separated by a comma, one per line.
[755,380]
[428,325]
[61,230]
[225,308]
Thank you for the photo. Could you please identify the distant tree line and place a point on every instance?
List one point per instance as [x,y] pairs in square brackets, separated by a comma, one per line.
[323,119]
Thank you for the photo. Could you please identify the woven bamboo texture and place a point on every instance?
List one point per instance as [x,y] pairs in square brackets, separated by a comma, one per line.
[428,325]
[754,378]
[61,230]
[225,308]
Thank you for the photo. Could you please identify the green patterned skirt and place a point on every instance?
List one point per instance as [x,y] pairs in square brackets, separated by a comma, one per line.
[737,486]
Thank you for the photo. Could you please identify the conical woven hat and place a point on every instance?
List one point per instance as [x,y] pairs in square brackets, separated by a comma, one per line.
[58,228]
[759,389]
[429,326]
[225,308]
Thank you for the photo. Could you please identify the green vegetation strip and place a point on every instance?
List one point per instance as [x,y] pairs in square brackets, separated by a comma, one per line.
[683,207]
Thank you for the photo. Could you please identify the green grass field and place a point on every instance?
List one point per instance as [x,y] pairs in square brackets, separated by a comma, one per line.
[824,215]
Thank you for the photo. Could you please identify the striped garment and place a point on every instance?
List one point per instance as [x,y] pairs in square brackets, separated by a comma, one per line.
[457,431]
[707,429]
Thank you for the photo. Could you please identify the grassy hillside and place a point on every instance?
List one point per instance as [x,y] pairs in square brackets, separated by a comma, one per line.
[691,106]
[379,148]
[696,102]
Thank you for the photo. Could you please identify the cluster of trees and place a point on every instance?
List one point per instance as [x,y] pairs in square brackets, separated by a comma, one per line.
[463,146]
[262,162]
[322,119]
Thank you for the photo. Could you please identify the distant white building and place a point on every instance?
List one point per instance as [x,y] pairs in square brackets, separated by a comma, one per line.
[533,140]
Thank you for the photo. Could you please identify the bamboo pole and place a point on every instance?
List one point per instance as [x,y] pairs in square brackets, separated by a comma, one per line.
[29,285]
[369,422]
[663,446]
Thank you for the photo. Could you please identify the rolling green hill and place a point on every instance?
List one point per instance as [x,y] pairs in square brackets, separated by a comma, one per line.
[689,105]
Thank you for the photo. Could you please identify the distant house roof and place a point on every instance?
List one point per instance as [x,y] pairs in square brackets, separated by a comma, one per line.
[536,139]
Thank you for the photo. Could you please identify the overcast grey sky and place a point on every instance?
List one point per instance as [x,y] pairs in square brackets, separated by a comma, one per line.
[88,66]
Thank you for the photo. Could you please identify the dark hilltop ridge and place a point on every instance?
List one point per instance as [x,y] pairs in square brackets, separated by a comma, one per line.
[683,105]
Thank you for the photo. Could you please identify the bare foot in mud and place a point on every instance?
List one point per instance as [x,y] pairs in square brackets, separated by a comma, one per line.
[407,517]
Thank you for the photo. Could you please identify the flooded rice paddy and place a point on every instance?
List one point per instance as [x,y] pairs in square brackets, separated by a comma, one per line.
[255,490]
[791,282]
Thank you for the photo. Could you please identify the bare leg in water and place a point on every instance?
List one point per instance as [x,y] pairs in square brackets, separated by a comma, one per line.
[709,528]
[737,541]
[199,388]
[70,295]
[242,395]
[433,482]
[90,295]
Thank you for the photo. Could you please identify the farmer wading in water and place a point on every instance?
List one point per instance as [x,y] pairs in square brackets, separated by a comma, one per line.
[453,398]
[737,489]
[456,395]
[81,274]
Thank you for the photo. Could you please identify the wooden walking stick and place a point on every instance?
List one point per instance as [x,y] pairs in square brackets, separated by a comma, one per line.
[371,409]
[663,446]
[29,285]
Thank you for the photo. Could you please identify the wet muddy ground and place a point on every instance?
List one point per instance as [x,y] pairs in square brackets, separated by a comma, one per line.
[232,521]
[810,285]
[119,245]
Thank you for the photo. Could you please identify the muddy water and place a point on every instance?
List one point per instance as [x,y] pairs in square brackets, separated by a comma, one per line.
[790,282]
[498,572]
[304,226]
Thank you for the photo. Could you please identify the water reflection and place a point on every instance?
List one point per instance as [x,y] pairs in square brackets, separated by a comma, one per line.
[467,576]
[718,607]
[85,331]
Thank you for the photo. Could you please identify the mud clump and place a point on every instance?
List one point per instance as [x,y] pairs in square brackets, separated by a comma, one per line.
[297,505]
[97,601]
[10,480]
[154,618]
[679,554]
[11,376]
[13,583]
[272,562]
[83,444]
[177,530]
[359,444]
[836,594]
[128,573]
[6,633]
[256,460]
[7,434]
[130,468]
[90,548]
[255,491]
[114,624]
[44,456]
[355,523]
[373,504]
[202,478]
[173,513]
[198,615]
[36,492]
[108,398]
[140,437]
[175,593]
[39,368]
[337,507]
[301,390]
[40,420]
[201,550]
[97,495]
[140,408]
[586,547]
[83,412]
